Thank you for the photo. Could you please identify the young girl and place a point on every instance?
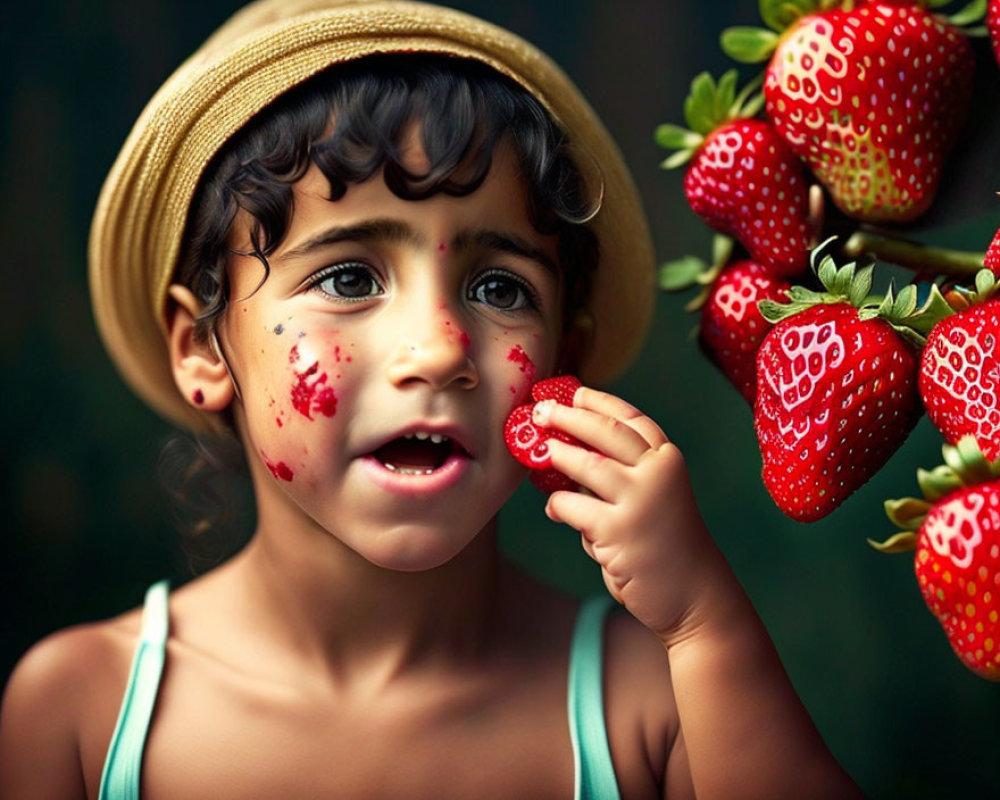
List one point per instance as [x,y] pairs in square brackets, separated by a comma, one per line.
[353,235]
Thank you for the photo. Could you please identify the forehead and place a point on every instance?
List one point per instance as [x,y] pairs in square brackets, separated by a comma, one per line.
[500,203]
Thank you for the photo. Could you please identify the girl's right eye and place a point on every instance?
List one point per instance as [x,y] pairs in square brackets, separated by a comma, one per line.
[352,282]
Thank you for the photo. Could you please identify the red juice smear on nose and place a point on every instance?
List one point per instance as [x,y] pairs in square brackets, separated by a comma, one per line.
[310,391]
[279,470]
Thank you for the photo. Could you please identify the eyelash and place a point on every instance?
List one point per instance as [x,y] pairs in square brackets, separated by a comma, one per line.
[316,284]
[531,299]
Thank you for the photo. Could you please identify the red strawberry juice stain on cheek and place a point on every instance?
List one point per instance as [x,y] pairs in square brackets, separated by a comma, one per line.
[310,392]
[279,470]
[518,356]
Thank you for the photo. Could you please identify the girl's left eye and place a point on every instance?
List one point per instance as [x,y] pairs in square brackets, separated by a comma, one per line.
[504,291]
[354,281]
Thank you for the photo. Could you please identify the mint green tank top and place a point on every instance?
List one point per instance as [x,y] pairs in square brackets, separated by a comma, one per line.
[594,772]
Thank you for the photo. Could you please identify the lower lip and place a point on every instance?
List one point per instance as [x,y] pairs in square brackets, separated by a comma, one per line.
[417,484]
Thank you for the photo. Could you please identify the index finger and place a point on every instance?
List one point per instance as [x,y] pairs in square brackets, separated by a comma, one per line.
[613,406]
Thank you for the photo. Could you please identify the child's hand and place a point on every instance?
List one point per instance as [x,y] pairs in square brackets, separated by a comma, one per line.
[638,518]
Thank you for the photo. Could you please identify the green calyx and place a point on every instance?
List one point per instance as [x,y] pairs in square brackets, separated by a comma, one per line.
[852,284]
[972,13]
[708,105]
[689,271]
[965,465]
[752,45]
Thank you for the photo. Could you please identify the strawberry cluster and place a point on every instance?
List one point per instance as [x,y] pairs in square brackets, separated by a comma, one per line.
[850,126]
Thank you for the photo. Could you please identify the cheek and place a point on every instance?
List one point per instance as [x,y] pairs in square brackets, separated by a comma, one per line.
[307,385]
[519,369]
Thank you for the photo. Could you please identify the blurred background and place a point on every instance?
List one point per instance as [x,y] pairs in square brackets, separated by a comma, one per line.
[89,526]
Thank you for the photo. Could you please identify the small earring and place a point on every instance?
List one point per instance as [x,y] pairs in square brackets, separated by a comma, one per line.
[198,397]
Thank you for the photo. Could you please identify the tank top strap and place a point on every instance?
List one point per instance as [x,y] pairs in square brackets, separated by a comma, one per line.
[595,774]
[123,764]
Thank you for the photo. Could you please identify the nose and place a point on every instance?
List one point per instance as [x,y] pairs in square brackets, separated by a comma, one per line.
[433,350]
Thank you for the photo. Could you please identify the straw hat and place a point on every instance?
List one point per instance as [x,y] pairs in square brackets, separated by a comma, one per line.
[261,52]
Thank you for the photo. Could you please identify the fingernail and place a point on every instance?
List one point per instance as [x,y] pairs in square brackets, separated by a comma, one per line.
[542,412]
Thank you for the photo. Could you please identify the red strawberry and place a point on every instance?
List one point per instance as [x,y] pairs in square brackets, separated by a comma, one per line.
[993,26]
[731,325]
[992,259]
[871,95]
[836,389]
[561,388]
[528,442]
[960,376]
[958,569]
[743,179]
[955,530]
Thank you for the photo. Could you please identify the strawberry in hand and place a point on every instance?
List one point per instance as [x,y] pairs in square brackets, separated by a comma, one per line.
[960,369]
[528,442]
[955,530]
[743,180]
[872,95]
[836,386]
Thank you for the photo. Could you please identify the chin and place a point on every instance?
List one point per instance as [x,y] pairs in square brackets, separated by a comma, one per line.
[414,548]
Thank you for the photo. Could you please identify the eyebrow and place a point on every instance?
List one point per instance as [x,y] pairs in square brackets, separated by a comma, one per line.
[392,230]
[385,230]
[505,243]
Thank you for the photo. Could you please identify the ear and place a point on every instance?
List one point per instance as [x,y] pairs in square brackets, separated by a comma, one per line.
[199,371]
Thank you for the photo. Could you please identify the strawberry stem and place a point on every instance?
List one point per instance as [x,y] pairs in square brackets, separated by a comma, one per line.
[917,256]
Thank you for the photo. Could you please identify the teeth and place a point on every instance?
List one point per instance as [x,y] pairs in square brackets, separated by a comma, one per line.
[421,436]
[408,470]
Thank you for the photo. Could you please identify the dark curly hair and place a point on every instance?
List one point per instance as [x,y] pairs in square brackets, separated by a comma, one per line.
[463,110]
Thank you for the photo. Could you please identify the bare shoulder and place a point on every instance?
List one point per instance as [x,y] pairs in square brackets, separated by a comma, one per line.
[61,701]
[642,720]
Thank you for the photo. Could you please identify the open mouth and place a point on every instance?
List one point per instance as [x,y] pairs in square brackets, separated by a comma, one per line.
[417,453]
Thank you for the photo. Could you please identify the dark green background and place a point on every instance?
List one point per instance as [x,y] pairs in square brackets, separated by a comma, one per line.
[87,526]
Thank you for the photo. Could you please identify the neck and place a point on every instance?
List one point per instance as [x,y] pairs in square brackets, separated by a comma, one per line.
[319,600]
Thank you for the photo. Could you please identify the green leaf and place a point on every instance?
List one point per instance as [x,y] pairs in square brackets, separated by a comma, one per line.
[748,45]
[934,309]
[860,286]
[827,272]
[900,543]
[744,105]
[908,512]
[675,137]
[681,274]
[973,12]
[938,482]
[725,94]
[699,107]
[722,248]
[906,302]
[781,14]
[985,281]
[678,159]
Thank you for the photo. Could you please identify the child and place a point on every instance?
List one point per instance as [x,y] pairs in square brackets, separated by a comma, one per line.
[353,235]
